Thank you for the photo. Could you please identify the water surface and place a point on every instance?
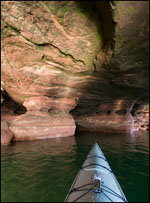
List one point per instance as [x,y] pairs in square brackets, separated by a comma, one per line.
[43,170]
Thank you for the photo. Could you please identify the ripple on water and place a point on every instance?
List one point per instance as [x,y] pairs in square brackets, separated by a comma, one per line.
[43,171]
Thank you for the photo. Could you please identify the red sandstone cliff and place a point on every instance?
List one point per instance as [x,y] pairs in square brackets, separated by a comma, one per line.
[72,64]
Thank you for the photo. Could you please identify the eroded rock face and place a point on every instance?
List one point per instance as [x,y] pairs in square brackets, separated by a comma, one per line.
[62,57]
[110,117]
[141,117]
[107,124]
[43,46]
[130,59]
[42,125]
[45,118]
[39,103]
[6,133]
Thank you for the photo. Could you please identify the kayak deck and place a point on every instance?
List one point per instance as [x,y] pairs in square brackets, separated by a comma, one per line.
[103,188]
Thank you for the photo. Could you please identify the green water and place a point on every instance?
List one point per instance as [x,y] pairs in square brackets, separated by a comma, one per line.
[43,171]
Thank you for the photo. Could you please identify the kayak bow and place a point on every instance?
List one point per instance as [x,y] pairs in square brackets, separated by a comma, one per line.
[95,182]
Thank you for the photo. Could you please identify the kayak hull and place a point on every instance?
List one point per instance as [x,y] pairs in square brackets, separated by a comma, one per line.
[83,189]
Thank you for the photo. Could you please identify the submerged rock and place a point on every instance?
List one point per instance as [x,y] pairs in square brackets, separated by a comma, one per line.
[6,133]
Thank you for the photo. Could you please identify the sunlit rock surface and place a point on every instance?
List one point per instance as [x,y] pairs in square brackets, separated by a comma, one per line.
[39,126]
[88,59]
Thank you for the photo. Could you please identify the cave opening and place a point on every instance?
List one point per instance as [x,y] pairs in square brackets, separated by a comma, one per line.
[11,106]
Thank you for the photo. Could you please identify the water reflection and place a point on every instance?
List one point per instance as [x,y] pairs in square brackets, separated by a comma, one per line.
[55,146]
[43,170]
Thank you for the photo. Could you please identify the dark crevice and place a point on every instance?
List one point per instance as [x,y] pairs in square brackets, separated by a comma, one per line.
[95,71]
[103,18]
[44,44]
[11,105]
[49,44]
[108,24]
[109,112]
[12,28]
[121,112]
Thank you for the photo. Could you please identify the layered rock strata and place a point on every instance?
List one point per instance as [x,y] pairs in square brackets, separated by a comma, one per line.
[109,117]
[65,62]
[45,118]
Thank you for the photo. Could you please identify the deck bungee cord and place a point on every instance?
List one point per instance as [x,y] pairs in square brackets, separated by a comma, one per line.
[114,193]
[96,168]
[97,157]
[90,189]
[103,185]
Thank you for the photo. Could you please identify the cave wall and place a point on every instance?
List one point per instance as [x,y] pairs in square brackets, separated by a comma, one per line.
[69,64]
[131,51]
